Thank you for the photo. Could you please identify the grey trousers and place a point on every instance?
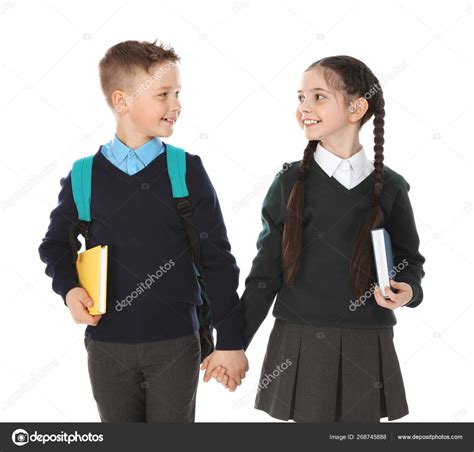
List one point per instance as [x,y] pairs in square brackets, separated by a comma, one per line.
[145,382]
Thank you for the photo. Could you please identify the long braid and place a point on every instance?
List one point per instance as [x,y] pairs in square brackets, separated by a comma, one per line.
[293,229]
[361,260]
[379,140]
[308,155]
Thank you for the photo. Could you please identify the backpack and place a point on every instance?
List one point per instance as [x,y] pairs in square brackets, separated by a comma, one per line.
[81,181]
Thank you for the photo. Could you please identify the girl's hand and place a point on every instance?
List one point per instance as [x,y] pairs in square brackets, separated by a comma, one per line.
[220,374]
[396,300]
[227,366]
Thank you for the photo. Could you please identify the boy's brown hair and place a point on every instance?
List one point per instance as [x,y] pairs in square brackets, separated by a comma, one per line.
[123,60]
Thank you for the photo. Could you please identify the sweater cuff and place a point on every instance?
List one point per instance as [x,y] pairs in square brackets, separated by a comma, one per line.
[417,295]
[228,333]
[246,339]
[65,288]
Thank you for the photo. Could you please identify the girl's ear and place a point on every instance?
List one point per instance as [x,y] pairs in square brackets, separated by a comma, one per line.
[357,109]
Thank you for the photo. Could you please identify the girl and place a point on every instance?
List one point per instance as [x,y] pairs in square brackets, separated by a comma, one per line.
[331,355]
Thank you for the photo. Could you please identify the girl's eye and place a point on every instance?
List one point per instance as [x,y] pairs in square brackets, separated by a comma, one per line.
[319,96]
[177,94]
[301,99]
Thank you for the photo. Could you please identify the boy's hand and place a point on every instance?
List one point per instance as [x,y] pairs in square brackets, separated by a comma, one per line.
[78,301]
[233,366]
[403,296]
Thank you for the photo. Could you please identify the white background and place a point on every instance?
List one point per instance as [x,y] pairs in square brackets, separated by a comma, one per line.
[241,62]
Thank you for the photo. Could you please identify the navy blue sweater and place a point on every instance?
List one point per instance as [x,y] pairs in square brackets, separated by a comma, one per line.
[152,291]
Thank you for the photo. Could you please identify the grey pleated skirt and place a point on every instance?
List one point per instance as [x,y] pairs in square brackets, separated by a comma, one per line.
[326,374]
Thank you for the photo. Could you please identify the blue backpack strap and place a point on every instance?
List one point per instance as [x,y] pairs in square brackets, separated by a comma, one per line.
[176,160]
[81,181]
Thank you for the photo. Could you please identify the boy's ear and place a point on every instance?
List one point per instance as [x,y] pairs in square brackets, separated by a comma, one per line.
[119,101]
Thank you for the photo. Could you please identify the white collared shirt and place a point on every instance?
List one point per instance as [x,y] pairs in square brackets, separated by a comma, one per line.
[348,172]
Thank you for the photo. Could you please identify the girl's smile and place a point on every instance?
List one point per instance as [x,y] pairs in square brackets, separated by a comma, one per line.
[311,122]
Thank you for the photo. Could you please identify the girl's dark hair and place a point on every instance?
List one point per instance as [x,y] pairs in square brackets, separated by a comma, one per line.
[355,80]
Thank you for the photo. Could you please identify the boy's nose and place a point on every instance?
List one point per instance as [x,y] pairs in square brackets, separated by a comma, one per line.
[175,106]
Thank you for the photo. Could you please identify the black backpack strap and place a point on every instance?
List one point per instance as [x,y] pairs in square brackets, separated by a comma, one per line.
[80,227]
[185,212]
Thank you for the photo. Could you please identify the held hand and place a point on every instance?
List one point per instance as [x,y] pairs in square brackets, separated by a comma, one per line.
[232,365]
[402,297]
[220,374]
[78,301]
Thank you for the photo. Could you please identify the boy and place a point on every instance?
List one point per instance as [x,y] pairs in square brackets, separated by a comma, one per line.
[144,352]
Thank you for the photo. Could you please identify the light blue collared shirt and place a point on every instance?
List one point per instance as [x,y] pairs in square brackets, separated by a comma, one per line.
[131,161]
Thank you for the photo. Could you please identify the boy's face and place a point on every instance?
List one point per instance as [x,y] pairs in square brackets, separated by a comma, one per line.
[150,105]
[322,112]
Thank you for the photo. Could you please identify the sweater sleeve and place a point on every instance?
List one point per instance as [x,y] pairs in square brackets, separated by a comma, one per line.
[408,260]
[265,278]
[219,267]
[55,249]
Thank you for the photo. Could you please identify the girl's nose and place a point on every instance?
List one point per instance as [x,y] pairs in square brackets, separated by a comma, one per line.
[304,108]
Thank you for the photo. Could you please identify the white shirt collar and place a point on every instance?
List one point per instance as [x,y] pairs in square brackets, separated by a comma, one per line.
[329,162]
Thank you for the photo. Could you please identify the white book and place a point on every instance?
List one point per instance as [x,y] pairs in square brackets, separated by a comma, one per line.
[383,257]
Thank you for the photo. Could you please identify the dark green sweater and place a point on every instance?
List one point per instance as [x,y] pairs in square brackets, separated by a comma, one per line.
[321,294]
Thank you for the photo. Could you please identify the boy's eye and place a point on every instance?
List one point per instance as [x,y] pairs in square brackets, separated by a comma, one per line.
[317,96]
[165,94]
[300,99]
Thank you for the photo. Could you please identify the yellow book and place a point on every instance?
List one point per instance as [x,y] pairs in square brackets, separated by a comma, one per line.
[91,268]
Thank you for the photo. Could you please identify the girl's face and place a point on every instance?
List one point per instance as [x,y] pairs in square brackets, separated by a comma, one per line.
[322,111]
